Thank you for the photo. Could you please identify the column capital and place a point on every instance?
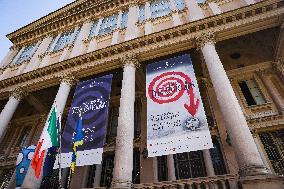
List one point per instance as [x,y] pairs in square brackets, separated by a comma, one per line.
[18,93]
[130,60]
[133,3]
[205,37]
[68,79]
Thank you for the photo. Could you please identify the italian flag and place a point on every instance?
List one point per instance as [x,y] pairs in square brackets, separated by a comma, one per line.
[49,138]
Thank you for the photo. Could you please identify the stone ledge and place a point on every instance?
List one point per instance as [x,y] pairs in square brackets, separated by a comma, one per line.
[262,182]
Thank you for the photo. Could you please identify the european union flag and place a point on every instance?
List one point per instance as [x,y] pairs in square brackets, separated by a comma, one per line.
[77,141]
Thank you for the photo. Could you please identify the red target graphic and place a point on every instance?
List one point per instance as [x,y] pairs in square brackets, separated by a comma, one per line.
[170,86]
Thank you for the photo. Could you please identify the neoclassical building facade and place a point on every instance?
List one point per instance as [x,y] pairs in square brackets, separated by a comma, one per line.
[237,50]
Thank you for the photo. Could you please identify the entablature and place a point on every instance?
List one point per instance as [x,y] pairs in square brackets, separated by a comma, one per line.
[227,25]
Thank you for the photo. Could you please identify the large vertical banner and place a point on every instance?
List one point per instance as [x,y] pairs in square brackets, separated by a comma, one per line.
[88,116]
[176,120]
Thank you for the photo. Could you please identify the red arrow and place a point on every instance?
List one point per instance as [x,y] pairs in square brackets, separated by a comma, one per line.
[192,106]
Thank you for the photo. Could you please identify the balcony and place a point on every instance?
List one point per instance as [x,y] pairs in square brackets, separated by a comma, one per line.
[216,182]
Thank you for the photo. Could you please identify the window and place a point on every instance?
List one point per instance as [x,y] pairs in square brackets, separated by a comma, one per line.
[160,8]
[107,168]
[141,16]
[24,137]
[136,166]
[180,4]
[65,39]
[124,19]
[108,24]
[273,143]
[217,159]
[162,168]
[189,165]
[93,29]
[113,123]
[26,54]
[251,92]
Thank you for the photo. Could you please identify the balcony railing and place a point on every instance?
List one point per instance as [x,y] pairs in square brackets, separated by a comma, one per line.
[216,182]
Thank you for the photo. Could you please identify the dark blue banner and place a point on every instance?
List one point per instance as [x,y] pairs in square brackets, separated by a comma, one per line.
[90,108]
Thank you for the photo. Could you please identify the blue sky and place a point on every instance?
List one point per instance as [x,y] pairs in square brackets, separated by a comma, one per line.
[15,14]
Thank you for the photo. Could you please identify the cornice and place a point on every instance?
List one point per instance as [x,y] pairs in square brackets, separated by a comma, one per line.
[149,46]
[67,17]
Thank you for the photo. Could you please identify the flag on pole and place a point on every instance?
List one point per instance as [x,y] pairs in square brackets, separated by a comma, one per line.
[48,139]
[77,140]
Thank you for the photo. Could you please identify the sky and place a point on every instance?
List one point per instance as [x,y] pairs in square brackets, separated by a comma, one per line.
[15,14]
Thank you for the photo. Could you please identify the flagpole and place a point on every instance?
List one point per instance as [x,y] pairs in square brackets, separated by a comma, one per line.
[60,135]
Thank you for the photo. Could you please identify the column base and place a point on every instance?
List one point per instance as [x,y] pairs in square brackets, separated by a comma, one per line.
[116,184]
[262,182]
[253,170]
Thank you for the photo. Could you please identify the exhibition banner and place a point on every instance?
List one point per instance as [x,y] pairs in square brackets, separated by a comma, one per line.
[89,109]
[176,121]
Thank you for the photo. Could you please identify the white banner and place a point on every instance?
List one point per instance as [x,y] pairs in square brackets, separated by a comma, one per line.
[176,120]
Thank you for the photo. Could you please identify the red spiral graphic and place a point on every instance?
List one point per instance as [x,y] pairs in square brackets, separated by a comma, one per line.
[170,86]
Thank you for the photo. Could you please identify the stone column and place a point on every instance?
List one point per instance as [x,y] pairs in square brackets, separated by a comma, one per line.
[62,94]
[249,159]
[123,162]
[194,11]
[155,169]
[175,14]
[97,178]
[171,167]
[8,57]
[276,97]
[93,42]
[115,36]
[79,45]
[7,113]
[260,150]
[208,163]
[148,22]
[214,8]
[132,30]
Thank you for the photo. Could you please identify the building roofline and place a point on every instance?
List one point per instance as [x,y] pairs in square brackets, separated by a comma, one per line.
[49,17]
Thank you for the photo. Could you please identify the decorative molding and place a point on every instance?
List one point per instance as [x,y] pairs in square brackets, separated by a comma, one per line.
[130,60]
[68,79]
[18,93]
[205,37]
[172,38]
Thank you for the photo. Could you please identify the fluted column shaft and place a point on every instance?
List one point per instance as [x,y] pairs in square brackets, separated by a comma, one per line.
[63,92]
[279,102]
[208,163]
[123,163]
[248,157]
[155,169]
[97,179]
[171,167]
[9,109]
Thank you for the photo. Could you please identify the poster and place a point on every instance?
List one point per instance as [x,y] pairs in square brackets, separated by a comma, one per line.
[176,120]
[90,105]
